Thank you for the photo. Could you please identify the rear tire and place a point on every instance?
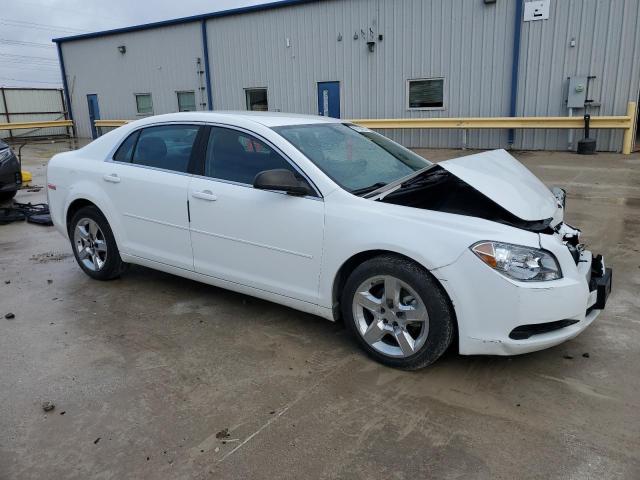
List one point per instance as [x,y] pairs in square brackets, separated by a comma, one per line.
[94,245]
[398,312]
[4,196]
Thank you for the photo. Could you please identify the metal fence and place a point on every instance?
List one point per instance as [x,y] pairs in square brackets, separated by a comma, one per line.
[23,109]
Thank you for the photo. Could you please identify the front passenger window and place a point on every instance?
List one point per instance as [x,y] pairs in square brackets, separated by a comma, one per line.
[237,156]
[168,147]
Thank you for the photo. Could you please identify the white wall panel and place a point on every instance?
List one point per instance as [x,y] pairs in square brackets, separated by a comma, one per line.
[159,61]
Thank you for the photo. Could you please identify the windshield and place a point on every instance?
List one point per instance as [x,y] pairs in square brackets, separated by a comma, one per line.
[356,158]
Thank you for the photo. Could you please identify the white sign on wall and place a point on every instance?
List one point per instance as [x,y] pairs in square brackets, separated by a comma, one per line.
[538,10]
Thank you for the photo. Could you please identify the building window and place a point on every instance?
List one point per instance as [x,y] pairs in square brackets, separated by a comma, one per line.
[425,94]
[186,101]
[257,99]
[144,105]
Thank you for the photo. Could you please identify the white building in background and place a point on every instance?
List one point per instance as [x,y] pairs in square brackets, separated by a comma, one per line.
[371,59]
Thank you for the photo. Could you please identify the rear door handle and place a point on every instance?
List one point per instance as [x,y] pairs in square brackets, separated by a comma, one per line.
[205,195]
[113,178]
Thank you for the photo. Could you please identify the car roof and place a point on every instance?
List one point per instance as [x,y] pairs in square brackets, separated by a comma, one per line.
[268,119]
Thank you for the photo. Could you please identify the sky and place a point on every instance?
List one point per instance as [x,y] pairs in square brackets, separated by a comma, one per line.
[28,58]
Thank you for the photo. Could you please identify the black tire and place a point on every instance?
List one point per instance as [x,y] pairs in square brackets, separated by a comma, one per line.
[113,265]
[441,323]
[4,196]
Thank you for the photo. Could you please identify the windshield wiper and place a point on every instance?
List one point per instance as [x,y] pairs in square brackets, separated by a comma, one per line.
[397,183]
[370,188]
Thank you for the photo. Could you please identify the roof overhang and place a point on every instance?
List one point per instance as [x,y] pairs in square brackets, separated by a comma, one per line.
[179,21]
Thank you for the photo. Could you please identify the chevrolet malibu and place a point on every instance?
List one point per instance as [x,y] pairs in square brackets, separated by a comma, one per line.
[333,219]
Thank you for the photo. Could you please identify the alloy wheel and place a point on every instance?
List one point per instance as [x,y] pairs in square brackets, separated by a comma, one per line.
[90,243]
[390,316]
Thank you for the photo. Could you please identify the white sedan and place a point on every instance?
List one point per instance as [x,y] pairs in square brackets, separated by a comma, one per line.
[336,220]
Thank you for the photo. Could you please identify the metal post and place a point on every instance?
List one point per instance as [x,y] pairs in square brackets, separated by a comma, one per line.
[515,62]
[64,110]
[627,139]
[570,134]
[6,111]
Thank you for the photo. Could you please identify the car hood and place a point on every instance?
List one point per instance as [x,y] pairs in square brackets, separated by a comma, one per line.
[507,182]
[490,185]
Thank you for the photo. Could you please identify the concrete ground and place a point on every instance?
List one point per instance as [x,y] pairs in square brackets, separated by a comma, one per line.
[153,376]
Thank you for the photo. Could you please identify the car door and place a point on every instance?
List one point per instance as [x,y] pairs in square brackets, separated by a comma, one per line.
[148,183]
[264,239]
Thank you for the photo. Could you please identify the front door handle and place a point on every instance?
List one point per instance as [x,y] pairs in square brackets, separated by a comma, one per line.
[113,178]
[205,195]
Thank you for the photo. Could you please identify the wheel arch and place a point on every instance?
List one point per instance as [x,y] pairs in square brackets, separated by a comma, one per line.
[76,205]
[352,263]
[81,201]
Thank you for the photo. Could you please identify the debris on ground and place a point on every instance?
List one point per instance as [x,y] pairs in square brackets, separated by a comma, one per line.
[95,442]
[7,282]
[10,315]
[224,433]
[49,281]
[585,354]
[48,406]
[34,213]
[568,357]
[50,257]
[63,412]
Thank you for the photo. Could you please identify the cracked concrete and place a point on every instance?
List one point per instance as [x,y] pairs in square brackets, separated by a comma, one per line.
[155,366]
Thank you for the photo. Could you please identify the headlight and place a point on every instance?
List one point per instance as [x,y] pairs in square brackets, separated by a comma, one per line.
[5,154]
[525,264]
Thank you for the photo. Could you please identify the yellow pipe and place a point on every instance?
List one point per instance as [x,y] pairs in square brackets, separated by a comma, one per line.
[497,122]
[627,123]
[28,125]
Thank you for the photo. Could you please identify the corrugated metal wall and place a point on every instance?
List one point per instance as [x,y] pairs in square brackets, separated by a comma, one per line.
[31,105]
[466,41]
[607,39]
[160,62]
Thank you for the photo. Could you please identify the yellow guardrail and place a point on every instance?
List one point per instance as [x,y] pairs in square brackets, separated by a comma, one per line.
[626,122]
[30,125]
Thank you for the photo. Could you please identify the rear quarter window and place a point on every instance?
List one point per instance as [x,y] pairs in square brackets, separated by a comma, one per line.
[125,152]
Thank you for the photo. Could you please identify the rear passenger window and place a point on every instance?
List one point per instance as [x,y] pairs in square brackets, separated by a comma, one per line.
[167,147]
[236,156]
[125,151]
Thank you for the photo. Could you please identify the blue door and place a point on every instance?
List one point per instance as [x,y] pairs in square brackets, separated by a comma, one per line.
[329,99]
[94,113]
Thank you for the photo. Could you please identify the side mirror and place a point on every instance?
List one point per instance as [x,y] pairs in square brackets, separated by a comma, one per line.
[281,180]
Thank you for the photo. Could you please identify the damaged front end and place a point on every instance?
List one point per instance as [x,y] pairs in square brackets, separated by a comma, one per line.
[490,185]
[438,189]
[494,186]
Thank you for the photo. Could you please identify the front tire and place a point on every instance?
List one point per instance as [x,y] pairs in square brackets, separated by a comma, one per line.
[94,245]
[398,312]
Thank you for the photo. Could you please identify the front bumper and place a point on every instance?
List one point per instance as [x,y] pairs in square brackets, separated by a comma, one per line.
[489,307]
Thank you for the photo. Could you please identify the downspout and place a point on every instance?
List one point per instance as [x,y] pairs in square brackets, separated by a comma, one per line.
[65,86]
[515,61]
[207,70]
